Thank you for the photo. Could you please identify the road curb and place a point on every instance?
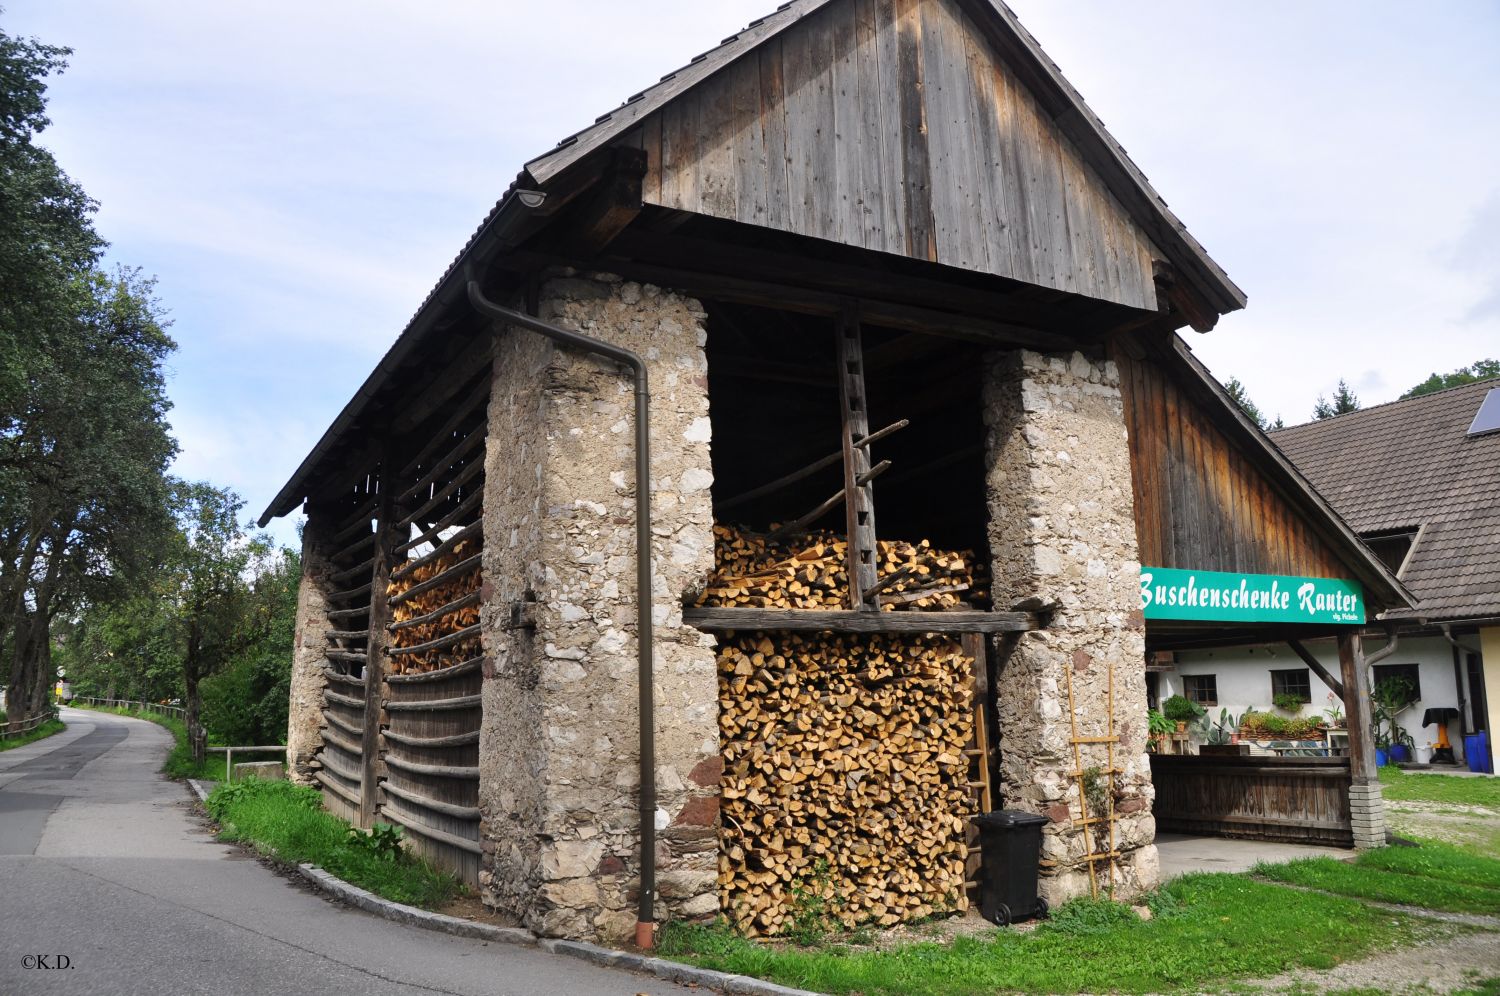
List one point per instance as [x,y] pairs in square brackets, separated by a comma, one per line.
[410,916]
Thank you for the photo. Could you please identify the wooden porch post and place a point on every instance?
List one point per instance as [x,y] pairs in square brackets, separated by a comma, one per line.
[1366,808]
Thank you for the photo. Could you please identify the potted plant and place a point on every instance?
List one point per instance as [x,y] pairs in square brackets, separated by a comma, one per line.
[1181,710]
[1158,726]
[1334,712]
[1288,702]
[1390,697]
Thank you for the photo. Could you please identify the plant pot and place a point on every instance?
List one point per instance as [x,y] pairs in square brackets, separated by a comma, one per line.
[1399,753]
[1181,726]
[1381,758]
[1422,755]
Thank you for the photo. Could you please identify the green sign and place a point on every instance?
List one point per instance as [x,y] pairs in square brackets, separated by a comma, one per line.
[1167,593]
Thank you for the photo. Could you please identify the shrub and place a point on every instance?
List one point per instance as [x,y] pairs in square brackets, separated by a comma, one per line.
[1181,709]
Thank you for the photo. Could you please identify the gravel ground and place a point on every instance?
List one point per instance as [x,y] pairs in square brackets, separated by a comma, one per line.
[1441,966]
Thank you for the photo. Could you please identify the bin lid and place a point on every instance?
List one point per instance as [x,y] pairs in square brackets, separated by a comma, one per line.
[1009,818]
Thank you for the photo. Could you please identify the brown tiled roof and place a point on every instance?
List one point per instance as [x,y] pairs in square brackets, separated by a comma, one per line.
[1412,464]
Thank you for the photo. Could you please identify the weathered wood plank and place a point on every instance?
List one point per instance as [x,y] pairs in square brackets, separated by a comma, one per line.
[916,164]
[945,91]
[773,125]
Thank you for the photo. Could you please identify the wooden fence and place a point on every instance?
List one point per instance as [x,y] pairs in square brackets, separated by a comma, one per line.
[1302,800]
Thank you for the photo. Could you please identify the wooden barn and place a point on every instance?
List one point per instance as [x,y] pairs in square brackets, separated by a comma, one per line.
[852,343]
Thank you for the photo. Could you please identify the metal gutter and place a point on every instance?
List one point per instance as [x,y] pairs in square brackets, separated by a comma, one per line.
[645,678]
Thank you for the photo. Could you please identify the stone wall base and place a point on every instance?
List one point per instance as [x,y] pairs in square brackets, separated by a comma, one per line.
[1367,814]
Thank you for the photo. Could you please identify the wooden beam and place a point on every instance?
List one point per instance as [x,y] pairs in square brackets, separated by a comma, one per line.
[713,620]
[788,297]
[377,647]
[613,205]
[859,496]
[1317,667]
[435,393]
[1357,710]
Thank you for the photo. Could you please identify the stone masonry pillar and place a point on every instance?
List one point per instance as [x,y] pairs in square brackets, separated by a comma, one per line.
[304,733]
[558,746]
[1062,529]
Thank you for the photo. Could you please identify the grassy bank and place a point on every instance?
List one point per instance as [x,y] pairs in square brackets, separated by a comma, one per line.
[1206,930]
[179,762]
[1434,876]
[287,822]
[40,733]
[1461,811]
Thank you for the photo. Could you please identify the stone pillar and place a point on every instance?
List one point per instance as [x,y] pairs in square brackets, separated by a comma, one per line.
[558,747]
[1062,529]
[304,733]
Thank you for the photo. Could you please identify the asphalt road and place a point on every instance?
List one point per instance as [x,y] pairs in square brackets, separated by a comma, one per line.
[105,867]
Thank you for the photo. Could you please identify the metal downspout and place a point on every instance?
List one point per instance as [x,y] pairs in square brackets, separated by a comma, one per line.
[645,909]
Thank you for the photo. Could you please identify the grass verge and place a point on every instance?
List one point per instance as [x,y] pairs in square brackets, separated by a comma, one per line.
[1402,786]
[1434,876]
[40,733]
[1207,930]
[179,762]
[287,822]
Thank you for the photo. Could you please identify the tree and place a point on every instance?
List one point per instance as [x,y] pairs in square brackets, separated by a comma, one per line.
[1344,401]
[84,442]
[214,560]
[246,703]
[1478,370]
[1237,393]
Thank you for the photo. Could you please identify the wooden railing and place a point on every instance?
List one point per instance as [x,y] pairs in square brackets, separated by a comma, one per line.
[1296,799]
[160,708]
[26,726]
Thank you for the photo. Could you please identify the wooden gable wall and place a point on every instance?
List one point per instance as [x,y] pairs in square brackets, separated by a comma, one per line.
[892,125]
[1200,502]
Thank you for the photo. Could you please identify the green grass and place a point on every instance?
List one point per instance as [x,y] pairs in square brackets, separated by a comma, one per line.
[1434,876]
[40,733]
[1208,929]
[1402,786]
[287,822]
[179,762]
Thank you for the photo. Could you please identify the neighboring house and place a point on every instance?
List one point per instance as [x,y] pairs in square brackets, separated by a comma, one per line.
[1419,480]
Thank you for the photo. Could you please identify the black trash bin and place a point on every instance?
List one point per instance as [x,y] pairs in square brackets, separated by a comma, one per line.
[1011,845]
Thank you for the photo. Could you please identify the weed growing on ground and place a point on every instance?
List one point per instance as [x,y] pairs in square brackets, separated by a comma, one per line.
[1217,928]
[287,822]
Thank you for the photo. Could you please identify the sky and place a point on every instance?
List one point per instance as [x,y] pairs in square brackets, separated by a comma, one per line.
[298,175]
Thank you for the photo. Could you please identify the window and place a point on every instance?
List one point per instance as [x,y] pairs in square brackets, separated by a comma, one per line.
[1201,688]
[1410,673]
[1392,546]
[1292,681]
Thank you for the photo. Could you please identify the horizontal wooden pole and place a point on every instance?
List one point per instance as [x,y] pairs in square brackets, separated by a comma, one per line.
[397,815]
[436,705]
[468,632]
[470,772]
[347,746]
[337,788]
[337,721]
[467,532]
[455,740]
[346,679]
[442,674]
[457,570]
[446,808]
[715,620]
[333,698]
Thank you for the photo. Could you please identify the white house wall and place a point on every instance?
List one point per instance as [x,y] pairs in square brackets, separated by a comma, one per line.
[1243,678]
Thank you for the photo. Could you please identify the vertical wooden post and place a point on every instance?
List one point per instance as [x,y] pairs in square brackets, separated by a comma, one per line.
[1366,807]
[859,499]
[375,649]
[1357,709]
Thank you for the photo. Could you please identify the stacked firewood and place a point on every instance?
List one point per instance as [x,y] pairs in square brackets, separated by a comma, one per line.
[809,572]
[464,588]
[845,787]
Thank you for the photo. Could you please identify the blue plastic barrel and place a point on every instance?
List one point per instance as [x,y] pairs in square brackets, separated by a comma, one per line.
[1477,750]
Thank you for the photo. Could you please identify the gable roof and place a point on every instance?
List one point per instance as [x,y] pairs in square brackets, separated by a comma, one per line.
[506,223]
[1412,464]
[1070,113]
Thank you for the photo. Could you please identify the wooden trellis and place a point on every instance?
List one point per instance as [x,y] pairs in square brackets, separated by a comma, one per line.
[1092,856]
